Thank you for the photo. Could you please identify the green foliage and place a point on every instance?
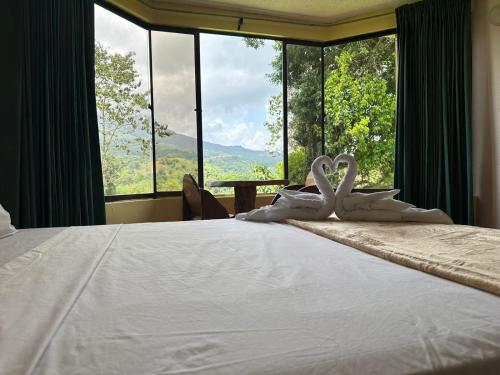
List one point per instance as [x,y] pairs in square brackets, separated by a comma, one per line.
[275,124]
[111,167]
[262,172]
[254,43]
[124,122]
[304,106]
[133,175]
[121,108]
[255,171]
[171,170]
[360,107]
[297,166]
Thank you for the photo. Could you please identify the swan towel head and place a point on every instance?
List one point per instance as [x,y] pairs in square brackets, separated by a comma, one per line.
[6,228]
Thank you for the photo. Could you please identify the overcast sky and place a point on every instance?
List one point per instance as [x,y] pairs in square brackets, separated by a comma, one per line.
[235,89]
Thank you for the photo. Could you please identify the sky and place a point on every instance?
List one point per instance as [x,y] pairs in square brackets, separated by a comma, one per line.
[235,89]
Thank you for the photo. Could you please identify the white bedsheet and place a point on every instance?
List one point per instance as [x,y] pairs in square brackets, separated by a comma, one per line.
[230,297]
[24,240]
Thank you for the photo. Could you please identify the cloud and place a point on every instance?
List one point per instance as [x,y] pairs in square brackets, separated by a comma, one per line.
[174,81]
[238,133]
[122,36]
[258,142]
[233,75]
[235,88]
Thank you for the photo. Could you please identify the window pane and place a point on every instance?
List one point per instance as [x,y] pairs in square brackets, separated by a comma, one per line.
[304,109]
[242,105]
[174,108]
[360,107]
[122,96]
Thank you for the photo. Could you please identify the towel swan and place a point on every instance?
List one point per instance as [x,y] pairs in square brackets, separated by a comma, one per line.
[297,204]
[379,206]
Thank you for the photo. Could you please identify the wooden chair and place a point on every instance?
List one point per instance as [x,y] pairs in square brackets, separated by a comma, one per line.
[310,189]
[310,180]
[199,204]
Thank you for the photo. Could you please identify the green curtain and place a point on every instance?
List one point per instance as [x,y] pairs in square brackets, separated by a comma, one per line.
[51,174]
[11,34]
[433,130]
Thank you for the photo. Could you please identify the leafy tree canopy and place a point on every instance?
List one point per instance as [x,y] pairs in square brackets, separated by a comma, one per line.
[122,109]
[359,106]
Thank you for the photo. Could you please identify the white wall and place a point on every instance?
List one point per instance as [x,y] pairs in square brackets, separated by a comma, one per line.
[486,114]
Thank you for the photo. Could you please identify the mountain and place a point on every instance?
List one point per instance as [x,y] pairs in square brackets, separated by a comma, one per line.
[226,158]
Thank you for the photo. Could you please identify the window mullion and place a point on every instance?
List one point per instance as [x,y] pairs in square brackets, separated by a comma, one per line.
[152,109]
[284,80]
[323,146]
[198,109]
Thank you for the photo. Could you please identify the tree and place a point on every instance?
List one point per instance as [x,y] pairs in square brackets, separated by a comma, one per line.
[121,108]
[359,106]
[124,119]
[304,106]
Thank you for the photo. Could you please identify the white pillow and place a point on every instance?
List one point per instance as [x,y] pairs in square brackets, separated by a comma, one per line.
[6,228]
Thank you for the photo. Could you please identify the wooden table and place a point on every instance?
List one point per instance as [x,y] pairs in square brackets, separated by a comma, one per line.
[245,192]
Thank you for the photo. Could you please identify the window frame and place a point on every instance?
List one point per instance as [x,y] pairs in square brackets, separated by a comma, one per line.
[199,108]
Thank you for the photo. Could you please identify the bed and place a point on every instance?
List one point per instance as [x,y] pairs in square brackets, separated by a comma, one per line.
[230,297]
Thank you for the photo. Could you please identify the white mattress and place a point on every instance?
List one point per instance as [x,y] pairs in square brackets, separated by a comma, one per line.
[231,297]
[24,240]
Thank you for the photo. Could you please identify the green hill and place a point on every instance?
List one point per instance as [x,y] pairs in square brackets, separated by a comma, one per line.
[226,158]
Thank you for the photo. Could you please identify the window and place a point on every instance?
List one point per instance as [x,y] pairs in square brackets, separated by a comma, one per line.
[304,109]
[174,101]
[338,98]
[360,107]
[242,124]
[122,97]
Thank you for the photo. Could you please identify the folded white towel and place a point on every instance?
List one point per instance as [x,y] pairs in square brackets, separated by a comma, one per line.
[379,206]
[299,199]
[6,228]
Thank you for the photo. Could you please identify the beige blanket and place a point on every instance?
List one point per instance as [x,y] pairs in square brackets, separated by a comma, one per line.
[465,254]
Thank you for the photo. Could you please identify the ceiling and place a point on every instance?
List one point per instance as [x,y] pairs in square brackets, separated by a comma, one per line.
[317,12]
